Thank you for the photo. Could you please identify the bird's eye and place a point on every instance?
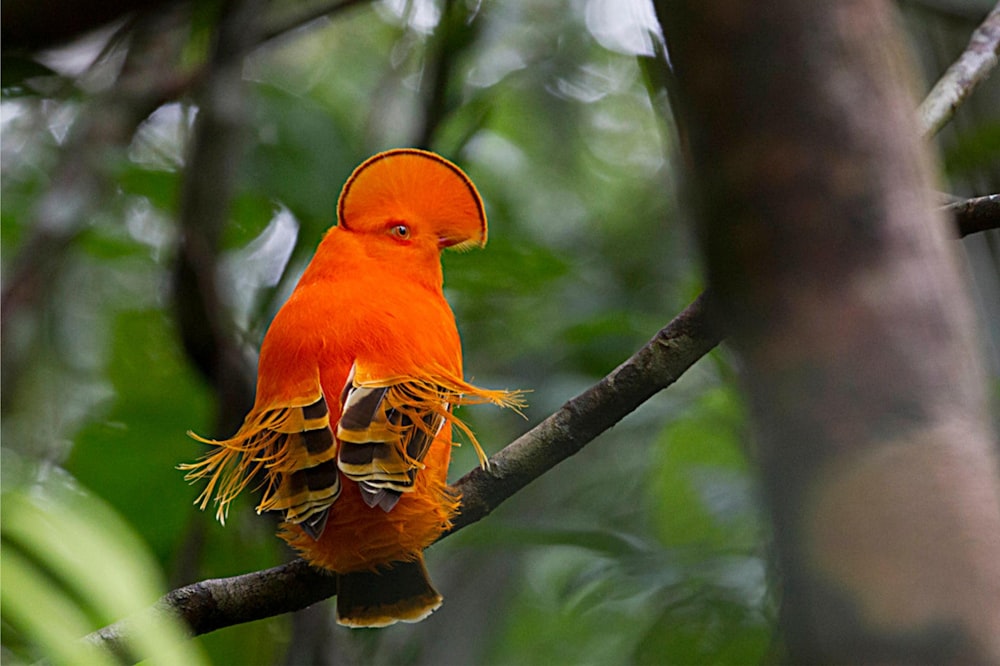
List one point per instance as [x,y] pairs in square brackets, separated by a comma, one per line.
[400,231]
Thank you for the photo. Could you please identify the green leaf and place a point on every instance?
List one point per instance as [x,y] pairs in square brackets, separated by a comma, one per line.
[160,187]
[74,541]
[50,620]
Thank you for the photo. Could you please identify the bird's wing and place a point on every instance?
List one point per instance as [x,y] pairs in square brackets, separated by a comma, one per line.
[292,452]
[386,428]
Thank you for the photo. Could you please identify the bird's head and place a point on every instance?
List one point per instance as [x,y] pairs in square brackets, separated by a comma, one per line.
[413,198]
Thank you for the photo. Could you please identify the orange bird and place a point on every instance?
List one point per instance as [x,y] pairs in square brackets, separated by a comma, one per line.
[350,435]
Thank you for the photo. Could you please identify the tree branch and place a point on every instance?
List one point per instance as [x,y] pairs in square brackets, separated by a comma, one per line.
[975,215]
[212,604]
[688,337]
[962,77]
[853,326]
[206,328]
[455,32]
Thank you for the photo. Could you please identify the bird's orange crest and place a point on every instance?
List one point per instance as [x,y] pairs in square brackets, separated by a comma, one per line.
[410,183]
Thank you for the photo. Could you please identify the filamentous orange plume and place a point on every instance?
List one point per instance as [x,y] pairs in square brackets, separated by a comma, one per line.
[358,378]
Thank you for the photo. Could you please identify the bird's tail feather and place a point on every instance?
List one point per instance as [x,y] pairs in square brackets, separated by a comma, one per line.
[401,592]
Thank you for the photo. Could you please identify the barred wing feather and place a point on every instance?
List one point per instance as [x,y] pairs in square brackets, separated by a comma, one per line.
[291,449]
[385,433]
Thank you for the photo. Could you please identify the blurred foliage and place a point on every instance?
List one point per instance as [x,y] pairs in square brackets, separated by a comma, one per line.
[70,562]
[647,547]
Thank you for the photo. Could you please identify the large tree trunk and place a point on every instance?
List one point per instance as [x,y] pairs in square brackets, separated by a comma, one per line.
[845,302]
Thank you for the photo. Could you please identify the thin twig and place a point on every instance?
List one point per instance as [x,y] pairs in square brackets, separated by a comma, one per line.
[222,602]
[958,82]
[975,215]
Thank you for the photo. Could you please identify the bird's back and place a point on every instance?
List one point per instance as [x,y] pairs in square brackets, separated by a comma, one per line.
[389,330]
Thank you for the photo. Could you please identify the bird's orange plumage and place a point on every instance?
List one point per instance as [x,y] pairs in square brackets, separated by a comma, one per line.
[358,375]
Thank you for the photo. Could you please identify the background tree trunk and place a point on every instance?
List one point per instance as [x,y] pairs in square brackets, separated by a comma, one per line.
[845,302]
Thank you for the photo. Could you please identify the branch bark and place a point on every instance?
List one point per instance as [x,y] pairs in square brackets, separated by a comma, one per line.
[976,215]
[212,604]
[958,82]
[831,267]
